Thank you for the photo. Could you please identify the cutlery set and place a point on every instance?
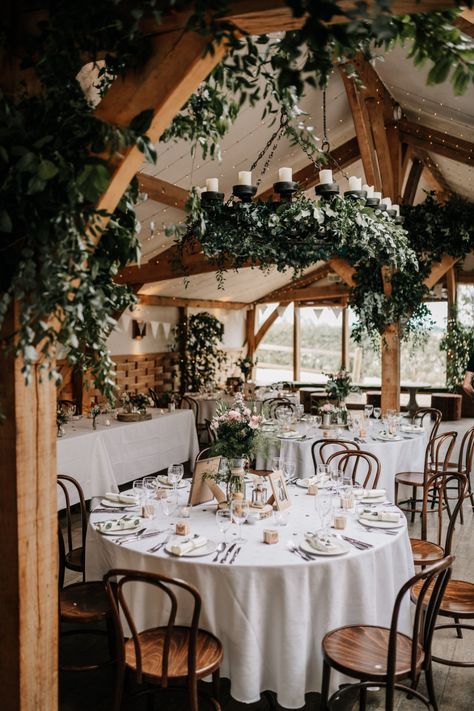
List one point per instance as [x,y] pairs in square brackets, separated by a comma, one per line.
[138,536]
[235,550]
[360,545]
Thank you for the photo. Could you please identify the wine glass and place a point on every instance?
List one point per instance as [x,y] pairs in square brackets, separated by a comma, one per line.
[288,469]
[368,410]
[150,485]
[239,509]
[224,521]
[175,474]
[377,412]
[323,507]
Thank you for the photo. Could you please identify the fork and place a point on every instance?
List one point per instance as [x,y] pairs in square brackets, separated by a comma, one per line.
[371,529]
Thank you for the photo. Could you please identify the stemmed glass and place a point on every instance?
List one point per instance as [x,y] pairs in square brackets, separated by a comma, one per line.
[175,474]
[368,410]
[168,506]
[377,412]
[289,469]
[224,521]
[150,485]
[323,506]
[139,492]
[239,510]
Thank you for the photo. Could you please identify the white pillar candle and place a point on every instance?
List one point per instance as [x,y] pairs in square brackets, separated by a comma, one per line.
[387,202]
[369,189]
[245,177]
[285,175]
[212,185]
[396,208]
[325,177]
[355,183]
[377,195]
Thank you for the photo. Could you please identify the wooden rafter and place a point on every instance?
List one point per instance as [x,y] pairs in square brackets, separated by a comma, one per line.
[433,175]
[314,275]
[161,191]
[465,22]
[345,271]
[439,142]
[266,325]
[413,180]
[314,293]
[158,300]
[439,269]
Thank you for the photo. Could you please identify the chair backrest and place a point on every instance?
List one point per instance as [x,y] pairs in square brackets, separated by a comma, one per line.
[366,460]
[153,394]
[430,414]
[203,454]
[432,583]
[438,453]
[466,451]
[189,403]
[169,587]
[211,433]
[61,558]
[320,447]
[274,404]
[66,483]
[443,484]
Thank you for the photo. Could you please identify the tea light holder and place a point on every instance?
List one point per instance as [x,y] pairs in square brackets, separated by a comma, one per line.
[327,190]
[356,194]
[285,188]
[210,197]
[270,536]
[245,193]
[182,528]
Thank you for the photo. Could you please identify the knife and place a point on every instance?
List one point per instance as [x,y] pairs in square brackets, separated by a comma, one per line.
[229,551]
[358,544]
[236,553]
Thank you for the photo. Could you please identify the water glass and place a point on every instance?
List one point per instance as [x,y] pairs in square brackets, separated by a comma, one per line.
[239,510]
[368,410]
[175,474]
[323,507]
[224,521]
[139,490]
[377,412]
[276,464]
[150,485]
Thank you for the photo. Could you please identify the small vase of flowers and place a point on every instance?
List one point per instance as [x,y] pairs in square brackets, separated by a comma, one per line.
[339,386]
[61,420]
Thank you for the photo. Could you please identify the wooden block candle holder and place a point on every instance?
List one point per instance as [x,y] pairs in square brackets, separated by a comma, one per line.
[312,490]
[339,522]
[270,536]
[182,528]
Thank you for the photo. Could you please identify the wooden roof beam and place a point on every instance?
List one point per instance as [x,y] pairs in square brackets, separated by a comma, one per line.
[439,142]
[314,275]
[315,293]
[413,180]
[158,300]
[266,325]
[161,191]
[465,22]
[439,269]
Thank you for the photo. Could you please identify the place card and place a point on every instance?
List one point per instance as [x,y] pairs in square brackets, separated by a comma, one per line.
[280,498]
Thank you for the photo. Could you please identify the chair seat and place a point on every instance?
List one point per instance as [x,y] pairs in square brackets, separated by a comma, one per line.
[209,653]
[84,602]
[409,478]
[425,552]
[75,559]
[361,651]
[458,599]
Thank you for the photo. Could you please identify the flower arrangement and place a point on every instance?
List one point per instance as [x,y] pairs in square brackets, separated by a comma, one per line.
[237,429]
[61,419]
[339,385]
[332,414]
[246,364]
[134,401]
[94,412]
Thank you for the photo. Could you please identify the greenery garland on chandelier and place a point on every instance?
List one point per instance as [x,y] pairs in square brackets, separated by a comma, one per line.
[56,156]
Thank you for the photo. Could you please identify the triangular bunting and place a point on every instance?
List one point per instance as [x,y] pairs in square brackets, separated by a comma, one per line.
[154,328]
[166,329]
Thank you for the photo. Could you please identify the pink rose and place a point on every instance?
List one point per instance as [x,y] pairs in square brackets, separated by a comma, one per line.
[254,421]
[233,415]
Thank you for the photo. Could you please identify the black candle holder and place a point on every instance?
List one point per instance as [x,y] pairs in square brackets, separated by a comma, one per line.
[372,202]
[209,196]
[382,207]
[285,188]
[356,194]
[245,193]
[391,212]
[327,190]
[399,220]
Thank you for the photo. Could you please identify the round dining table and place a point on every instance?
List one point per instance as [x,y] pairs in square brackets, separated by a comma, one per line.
[268,606]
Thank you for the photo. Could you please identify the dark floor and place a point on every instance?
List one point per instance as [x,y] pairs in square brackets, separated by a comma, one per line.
[93,691]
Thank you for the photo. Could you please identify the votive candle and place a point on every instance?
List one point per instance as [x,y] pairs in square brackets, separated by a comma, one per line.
[212,185]
[325,177]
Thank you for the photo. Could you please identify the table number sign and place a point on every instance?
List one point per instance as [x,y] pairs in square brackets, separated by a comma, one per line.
[203,488]
[280,498]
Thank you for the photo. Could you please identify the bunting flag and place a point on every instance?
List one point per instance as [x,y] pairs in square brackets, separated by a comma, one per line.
[318,313]
[282,310]
[154,328]
[166,329]
[337,312]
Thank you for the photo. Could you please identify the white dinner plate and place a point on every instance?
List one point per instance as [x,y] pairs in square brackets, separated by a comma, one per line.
[116,504]
[389,438]
[373,499]
[124,532]
[415,429]
[381,524]
[209,548]
[327,484]
[163,481]
[307,548]
[290,435]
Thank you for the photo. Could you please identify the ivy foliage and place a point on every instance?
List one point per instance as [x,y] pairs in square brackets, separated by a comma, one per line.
[201,337]
[458,342]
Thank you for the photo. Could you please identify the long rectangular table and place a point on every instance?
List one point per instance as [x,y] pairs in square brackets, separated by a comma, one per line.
[104,458]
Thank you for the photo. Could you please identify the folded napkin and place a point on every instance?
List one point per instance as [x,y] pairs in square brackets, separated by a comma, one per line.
[374,493]
[188,546]
[309,480]
[121,524]
[329,544]
[120,498]
[381,515]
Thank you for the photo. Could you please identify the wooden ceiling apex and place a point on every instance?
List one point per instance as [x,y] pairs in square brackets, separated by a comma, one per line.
[161,191]
[439,142]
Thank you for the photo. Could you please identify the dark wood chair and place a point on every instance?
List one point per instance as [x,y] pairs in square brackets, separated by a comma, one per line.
[165,655]
[189,403]
[366,460]
[84,605]
[384,656]
[426,552]
[437,456]
[424,414]
[277,403]
[75,558]
[154,397]
[464,466]
[320,446]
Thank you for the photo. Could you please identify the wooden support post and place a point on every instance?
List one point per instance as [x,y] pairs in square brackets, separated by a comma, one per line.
[28,537]
[296,342]
[452,290]
[182,338]
[345,339]
[250,332]
[391,368]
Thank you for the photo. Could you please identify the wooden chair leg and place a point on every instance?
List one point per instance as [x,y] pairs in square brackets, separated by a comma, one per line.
[458,629]
[216,685]
[430,687]
[193,695]
[325,686]
[118,692]
[363,699]
[396,492]
[413,503]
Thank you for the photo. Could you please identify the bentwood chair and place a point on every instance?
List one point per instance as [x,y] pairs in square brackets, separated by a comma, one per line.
[383,655]
[320,447]
[189,403]
[154,396]
[464,466]
[74,556]
[437,456]
[368,462]
[426,552]
[86,606]
[275,404]
[428,414]
[167,655]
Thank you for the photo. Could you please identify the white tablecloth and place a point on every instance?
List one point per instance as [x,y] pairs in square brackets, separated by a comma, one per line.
[270,609]
[394,457]
[103,459]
